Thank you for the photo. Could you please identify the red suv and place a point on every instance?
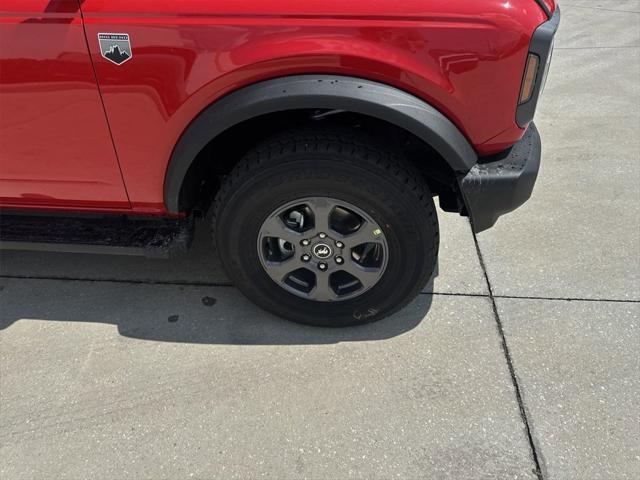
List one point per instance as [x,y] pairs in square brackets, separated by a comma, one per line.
[317,133]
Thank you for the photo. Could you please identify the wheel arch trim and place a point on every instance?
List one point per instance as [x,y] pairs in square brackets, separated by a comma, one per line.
[316,91]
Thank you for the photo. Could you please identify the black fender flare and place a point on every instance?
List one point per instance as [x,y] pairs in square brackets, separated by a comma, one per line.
[317,92]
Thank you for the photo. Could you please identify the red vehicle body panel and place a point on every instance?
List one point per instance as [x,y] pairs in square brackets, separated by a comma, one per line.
[466,58]
[52,122]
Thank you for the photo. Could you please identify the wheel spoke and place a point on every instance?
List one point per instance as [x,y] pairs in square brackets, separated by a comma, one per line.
[364,234]
[275,227]
[321,209]
[322,291]
[280,270]
[367,276]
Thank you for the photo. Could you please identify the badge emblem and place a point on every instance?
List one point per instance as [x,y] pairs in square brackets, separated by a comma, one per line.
[322,251]
[115,47]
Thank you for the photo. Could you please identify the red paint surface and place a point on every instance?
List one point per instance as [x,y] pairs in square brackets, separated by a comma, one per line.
[55,147]
[466,58]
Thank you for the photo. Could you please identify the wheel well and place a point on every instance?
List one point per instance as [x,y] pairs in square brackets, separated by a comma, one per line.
[223,152]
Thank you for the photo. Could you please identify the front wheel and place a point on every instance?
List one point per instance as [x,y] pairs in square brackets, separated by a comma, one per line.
[326,228]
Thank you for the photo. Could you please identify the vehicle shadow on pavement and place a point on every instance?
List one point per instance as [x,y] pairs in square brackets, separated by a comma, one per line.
[184,314]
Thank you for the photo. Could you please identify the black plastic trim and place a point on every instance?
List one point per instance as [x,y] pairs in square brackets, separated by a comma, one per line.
[108,234]
[544,7]
[317,92]
[501,183]
[541,45]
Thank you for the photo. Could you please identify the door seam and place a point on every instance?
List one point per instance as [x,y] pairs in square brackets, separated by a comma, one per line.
[104,107]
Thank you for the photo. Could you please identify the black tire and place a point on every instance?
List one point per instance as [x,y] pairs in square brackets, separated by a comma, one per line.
[341,164]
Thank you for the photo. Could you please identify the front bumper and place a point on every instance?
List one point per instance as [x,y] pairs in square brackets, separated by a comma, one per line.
[501,183]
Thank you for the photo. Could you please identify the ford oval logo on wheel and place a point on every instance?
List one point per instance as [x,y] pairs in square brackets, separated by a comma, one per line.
[322,251]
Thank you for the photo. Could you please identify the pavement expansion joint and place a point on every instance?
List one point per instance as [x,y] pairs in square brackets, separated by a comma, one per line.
[512,371]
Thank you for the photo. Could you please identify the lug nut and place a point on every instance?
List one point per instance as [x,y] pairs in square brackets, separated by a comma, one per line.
[339,244]
[322,235]
[305,258]
[305,242]
[322,266]
[339,260]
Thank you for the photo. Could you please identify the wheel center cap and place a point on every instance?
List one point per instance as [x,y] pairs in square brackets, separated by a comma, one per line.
[322,251]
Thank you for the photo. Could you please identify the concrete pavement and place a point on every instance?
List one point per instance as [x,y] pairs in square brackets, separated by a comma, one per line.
[520,362]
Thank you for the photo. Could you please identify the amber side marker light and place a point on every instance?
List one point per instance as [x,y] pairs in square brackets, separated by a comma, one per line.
[529,81]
